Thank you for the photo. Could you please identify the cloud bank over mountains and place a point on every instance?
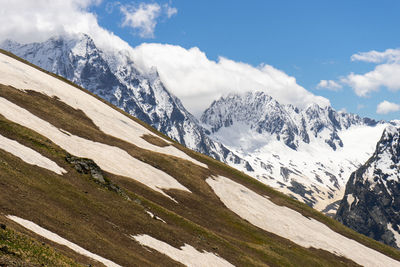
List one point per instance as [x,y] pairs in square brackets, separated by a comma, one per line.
[187,73]
[198,80]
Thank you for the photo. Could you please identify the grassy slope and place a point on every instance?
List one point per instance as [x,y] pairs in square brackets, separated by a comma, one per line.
[201,220]
[18,249]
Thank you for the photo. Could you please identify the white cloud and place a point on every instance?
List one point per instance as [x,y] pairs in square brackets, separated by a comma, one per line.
[35,21]
[389,55]
[197,81]
[143,17]
[386,107]
[387,75]
[171,11]
[187,73]
[329,84]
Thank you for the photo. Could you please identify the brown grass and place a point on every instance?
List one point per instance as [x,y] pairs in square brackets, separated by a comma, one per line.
[154,140]
[61,203]
[101,221]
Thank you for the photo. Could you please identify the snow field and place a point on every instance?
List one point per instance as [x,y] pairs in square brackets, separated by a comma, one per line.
[109,158]
[59,240]
[292,225]
[307,162]
[109,120]
[29,155]
[186,255]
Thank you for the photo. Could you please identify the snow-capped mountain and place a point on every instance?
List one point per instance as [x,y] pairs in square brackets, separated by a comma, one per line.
[83,183]
[371,203]
[307,153]
[113,76]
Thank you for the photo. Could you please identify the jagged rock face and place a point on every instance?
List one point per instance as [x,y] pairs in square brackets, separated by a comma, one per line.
[371,204]
[262,113]
[113,76]
[301,152]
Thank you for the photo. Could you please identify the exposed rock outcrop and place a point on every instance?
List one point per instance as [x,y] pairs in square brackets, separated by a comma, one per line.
[371,204]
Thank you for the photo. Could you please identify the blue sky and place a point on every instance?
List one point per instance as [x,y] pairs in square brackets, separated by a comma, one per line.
[310,40]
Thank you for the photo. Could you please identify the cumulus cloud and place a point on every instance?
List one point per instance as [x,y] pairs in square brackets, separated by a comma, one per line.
[187,73]
[35,21]
[143,17]
[387,75]
[197,80]
[329,84]
[389,55]
[386,107]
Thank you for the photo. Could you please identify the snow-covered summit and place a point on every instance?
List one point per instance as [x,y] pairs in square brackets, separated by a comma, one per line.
[263,114]
[114,76]
[308,153]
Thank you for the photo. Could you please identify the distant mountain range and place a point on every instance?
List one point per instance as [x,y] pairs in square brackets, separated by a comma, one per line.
[308,154]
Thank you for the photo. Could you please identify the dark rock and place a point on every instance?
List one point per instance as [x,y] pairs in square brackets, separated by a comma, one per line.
[303,192]
[88,166]
[3,226]
[371,204]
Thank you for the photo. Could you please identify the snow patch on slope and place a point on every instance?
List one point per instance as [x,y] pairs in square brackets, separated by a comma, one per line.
[109,158]
[395,233]
[29,155]
[59,240]
[186,255]
[109,120]
[291,224]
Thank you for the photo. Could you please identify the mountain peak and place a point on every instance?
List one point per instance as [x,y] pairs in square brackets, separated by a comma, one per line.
[290,148]
[114,76]
[371,201]
[264,114]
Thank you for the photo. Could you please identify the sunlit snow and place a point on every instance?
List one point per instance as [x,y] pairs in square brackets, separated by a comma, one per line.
[110,121]
[186,255]
[292,225]
[29,155]
[308,163]
[109,158]
[59,240]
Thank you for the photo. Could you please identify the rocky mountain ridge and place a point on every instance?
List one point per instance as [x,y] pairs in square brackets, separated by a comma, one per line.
[113,76]
[307,153]
[251,132]
[263,114]
[371,203]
